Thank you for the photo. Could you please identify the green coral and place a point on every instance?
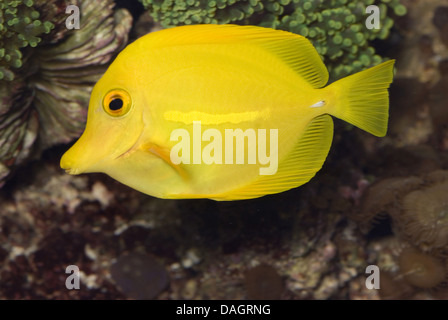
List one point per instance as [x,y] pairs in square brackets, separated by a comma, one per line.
[20,27]
[336,27]
[47,78]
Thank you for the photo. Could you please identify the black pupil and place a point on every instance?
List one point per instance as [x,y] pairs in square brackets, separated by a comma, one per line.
[116,104]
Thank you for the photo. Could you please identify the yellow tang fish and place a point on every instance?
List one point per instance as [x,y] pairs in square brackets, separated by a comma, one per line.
[222,112]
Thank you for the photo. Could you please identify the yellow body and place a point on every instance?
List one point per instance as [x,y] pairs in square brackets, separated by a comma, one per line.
[226,77]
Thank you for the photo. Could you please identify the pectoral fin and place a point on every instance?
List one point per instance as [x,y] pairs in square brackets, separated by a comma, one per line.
[164,154]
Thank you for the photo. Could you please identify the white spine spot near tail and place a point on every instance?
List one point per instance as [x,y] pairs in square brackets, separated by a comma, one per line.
[318,104]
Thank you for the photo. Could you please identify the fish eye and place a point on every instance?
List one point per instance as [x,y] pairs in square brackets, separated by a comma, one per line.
[117,102]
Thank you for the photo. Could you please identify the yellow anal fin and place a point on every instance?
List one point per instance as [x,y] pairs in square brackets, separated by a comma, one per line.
[299,166]
[164,154]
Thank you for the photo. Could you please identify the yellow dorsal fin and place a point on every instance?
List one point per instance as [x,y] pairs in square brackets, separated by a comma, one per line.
[301,164]
[294,50]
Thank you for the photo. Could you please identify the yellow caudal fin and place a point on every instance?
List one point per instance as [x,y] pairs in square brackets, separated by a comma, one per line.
[362,99]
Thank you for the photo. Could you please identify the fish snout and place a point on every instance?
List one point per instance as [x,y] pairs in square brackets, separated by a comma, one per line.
[85,156]
[68,164]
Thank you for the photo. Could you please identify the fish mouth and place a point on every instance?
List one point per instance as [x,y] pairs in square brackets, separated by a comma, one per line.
[71,171]
[68,165]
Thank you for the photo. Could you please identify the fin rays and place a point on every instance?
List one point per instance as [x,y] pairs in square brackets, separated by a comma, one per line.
[297,168]
[294,50]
